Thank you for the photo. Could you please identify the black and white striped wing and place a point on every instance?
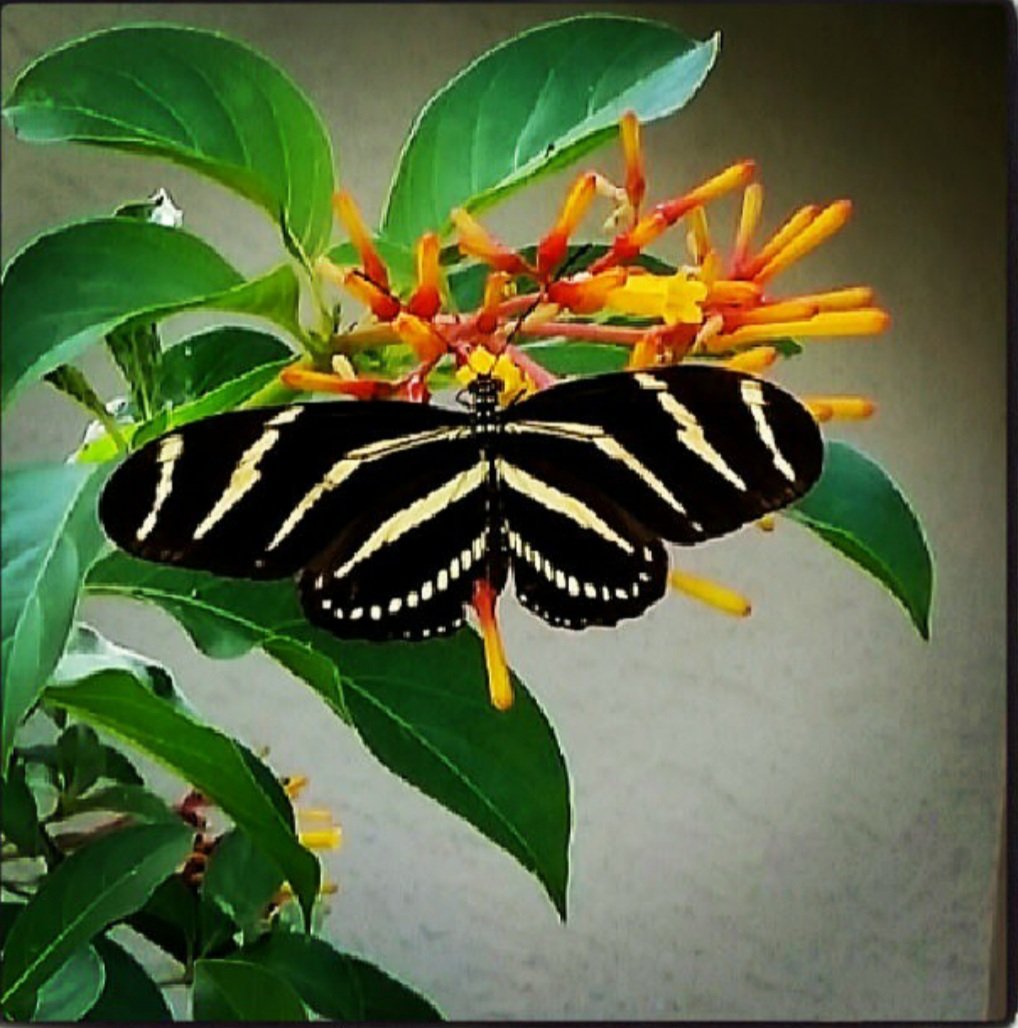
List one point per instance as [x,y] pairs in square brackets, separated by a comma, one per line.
[596,471]
[578,557]
[260,493]
[405,568]
[692,451]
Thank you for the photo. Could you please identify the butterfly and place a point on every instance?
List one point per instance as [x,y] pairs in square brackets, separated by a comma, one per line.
[388,512]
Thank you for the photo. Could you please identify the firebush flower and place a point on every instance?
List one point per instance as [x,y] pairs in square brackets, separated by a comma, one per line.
[715,306]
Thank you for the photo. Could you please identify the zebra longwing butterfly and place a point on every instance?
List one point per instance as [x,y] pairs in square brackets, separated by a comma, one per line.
[388,512]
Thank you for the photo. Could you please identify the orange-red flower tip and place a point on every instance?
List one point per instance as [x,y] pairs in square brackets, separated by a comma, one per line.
[500,687]
[378,300]
[426,300]
[584,293]
[476,241]
[422,336]
[636,181]
[349,214]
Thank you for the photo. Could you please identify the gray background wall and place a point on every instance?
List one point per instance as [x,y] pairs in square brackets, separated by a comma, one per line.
[792,816]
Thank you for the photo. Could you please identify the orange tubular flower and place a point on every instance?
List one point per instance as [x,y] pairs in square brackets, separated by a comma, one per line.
[476,241]
[585,294]
[552,249]
[380,302]
[427,299]
[346,210]
[421,335]
[636,181]
[500,687]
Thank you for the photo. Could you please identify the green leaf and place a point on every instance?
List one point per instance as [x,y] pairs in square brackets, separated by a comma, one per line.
[239,879]
[235,990]
[137,351]
[88,652]
[110,271]
[170,919]
[227,618]
[859,510]
[336,985]
[204,362]
[502,772]
[215,764]
[50,535]
[129,994]
[195,98]
[535,104]
[73,989]
[423,711]
[80,760]
[570,357]
[135,800]
[18,815]
[95,886]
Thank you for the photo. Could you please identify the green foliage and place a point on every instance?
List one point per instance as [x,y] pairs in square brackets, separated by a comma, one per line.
[192,97]
[73,989]
[92,888]
[533,105]
[857,508]
[50,535]
[335,985]
[128,994]
[236,990]
[214,763]
[103,848]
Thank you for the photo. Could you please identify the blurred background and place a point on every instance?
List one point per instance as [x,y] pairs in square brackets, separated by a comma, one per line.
[792,816]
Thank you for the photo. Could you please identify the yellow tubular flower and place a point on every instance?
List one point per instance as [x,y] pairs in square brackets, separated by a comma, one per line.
[788,231]
[826,223]
[749,218]
[636,182]
[754,361]
[673,298]
[720,597]
[845,408]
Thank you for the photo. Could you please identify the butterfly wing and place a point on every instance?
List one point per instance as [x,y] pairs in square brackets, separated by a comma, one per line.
[692,451]
[259,493]
[578,557]
[596,471]
[405,568]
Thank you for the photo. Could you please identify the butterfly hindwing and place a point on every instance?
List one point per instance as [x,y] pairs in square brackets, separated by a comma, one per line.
[578,557]
[258,493]
[405,567]
[692,451]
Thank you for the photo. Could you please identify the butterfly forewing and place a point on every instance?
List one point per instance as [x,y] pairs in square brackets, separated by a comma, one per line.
[258,494]
[691,451]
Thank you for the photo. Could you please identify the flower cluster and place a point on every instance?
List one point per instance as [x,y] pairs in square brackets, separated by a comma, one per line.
[713,307]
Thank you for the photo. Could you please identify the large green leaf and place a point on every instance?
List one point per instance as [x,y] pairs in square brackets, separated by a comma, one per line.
[211,359]
[193,97]
[129,994]
[859,510]
[50,535]
[532,105]
[111,271]
[95,886]
[336,985]
[422,708]
[228,617]
[214,763]
[73,989]
[239,879]
[235,990]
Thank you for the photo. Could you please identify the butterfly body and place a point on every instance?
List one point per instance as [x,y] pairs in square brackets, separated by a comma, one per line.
[388,513]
